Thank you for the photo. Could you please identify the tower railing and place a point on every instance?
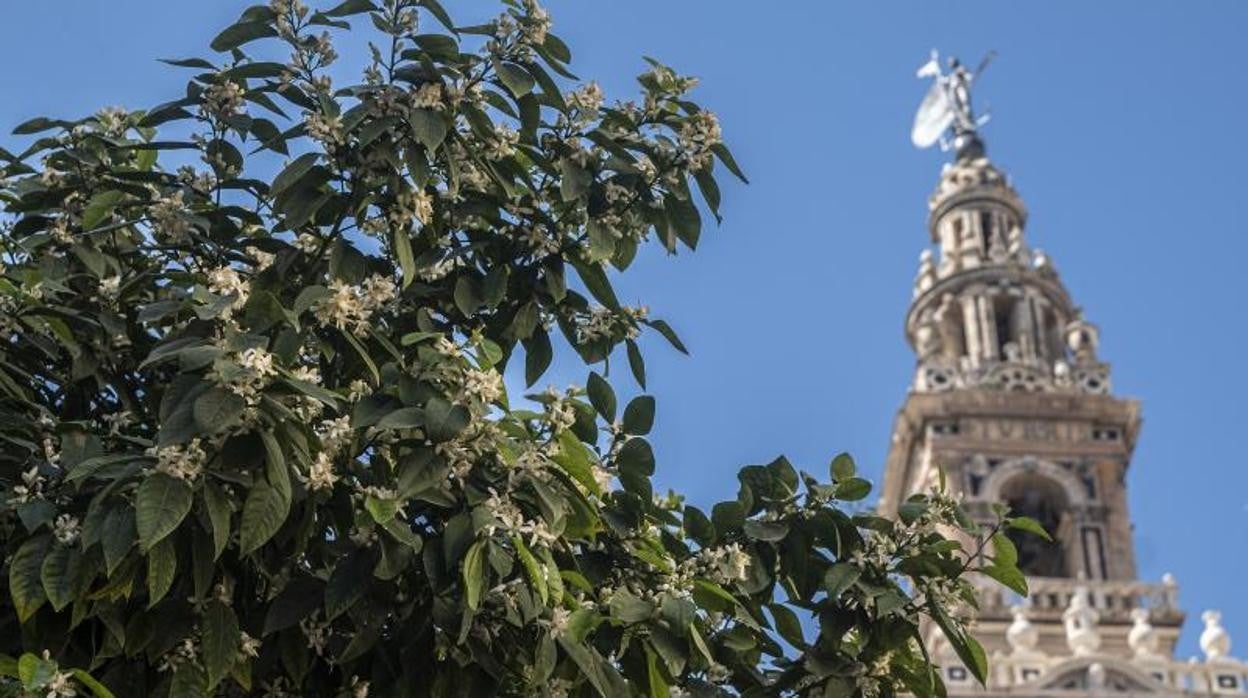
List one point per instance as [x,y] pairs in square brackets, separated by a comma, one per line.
[1114,600]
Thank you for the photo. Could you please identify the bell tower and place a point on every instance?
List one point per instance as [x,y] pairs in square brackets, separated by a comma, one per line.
[1012,404]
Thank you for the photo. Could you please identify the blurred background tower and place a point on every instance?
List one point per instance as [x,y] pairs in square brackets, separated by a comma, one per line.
[1012,402]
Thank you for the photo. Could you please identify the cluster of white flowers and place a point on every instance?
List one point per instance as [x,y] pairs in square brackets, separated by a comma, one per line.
[246,373]
[317,633]
[66,529]
[483,386]
[326,129]
[314,52]
[59,231]
[560,413]
[223,100]
[428,96]
[30,488]
[185,652]
[349,307]
[321,475]
[536,24]
[169,219]
[539,240]
[698,135]
[411,206]
[109,288]
[605,323]
[603,477]
[723,564]
[510,519]
[202,181]
[183,461]
[61,685]
[308,243]
[226,281]
[286,10]
[248,646]
[357,389]
[112,121]
[503,143]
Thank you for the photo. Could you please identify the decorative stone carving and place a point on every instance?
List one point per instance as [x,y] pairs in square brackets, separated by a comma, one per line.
[1142,639]
[1021,634]
[1082,635]
[1215,642]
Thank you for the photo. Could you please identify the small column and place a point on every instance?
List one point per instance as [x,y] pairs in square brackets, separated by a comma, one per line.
[970,322]
[988,326]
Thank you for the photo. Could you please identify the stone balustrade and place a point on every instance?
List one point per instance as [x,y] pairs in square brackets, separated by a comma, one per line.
[1114,600]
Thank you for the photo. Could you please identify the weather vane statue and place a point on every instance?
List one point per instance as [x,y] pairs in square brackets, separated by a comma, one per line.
[947,107]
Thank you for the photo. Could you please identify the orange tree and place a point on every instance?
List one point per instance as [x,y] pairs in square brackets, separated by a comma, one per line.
[254,433]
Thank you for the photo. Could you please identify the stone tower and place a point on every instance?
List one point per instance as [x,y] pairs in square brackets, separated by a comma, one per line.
[1011,400]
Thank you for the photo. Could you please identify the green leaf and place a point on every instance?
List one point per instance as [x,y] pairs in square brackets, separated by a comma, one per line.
[117,536]
[1004,552]
[25,577]
[669,334]
[537,356]
[403,418]
[532,568]
[57,575]
[787,624]
[403,250]
[220,642]
[350,7]
[219,516]
[97,689]
[36,125]
[347,583]
[238,34]
[218,409]
[474,575]
[162,564]
[685,218]
[574,180]
[1008,575]
[601,396]
[263,513]
[1030,525]
[840,577]
[629,609]
[293,172]
[636,363]
[842,467]
[853,489]
[162,501]
[639,415]
[429,128]
[518,80]
[727,517]
[770,531]
[444,420]
[636,456]
[721,151]
[698,526]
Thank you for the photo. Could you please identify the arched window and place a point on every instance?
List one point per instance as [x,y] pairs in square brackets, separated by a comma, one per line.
[1045,501]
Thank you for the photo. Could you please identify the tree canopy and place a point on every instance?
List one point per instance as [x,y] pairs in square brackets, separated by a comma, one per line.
[255,436]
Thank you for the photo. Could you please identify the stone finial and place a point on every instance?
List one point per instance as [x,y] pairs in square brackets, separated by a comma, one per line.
[927,273]
[1142,638]
[1082,635]
[1171,586]
[1215,642]
[1083,339]
[1021,634]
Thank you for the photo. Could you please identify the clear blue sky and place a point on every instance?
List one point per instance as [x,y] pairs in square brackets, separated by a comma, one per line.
[1120,123]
